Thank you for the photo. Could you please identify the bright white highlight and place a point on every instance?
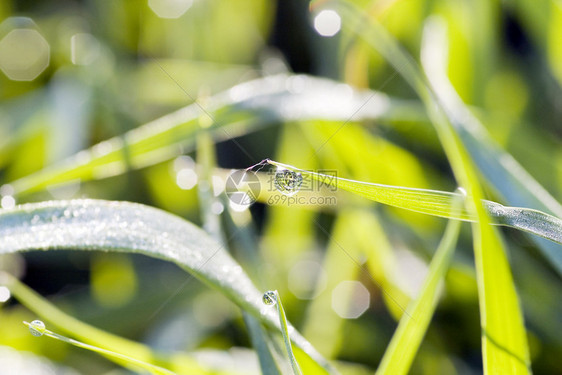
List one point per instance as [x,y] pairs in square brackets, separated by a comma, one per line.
[186,179]
[8,202]
[4,294]
[327,23]
[350,299]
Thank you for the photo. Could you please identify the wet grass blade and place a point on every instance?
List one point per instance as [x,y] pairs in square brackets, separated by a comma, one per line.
[128,227]
[242,109]
[272,298]
[441,203]
[206,163]
[503,172]
[504,343]
[260,342]
[94,336]
[37,328]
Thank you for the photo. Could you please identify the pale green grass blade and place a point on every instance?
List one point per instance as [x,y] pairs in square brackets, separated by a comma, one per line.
[340,267]
[94,336]
[260,342]
[441,203]
[206,161]
[407,338]
[253,105]
[505,348]
[41,330]
[242,109]
[128,227]
[272,298]
[504,173]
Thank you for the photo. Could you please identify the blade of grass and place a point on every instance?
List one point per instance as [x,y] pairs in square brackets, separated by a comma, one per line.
[441,203]
[407,338]
[340,267]
[242,109]
[94,336]
[504,343]
[504,173]
[260,342]
[272,298]
[40,330]
[206,160]
[252,105]
[128,227]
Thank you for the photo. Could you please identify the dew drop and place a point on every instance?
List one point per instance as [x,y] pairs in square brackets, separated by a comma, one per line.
[287,182]
[37,328]
[269,298]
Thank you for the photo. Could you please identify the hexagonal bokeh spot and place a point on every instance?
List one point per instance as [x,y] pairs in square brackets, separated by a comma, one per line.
[350,299]
[307,279]
[169,8]
[24,54]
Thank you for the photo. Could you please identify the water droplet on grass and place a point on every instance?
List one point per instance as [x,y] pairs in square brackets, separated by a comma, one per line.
[287,182]
[269,298]
[37,328]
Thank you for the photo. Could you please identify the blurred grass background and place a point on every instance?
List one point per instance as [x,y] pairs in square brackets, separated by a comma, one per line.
[75,73]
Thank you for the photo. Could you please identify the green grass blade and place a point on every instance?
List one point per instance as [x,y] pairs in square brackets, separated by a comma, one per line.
[503,172]
[505,348]
[206,161]
[260,342]
[240,110]
[441,203]
[94,336]
[128,227]
[404,345]
[340,266]
[131,362]
[272,298]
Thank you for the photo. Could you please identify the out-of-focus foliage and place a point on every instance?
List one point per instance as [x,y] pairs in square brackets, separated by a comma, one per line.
[73,74]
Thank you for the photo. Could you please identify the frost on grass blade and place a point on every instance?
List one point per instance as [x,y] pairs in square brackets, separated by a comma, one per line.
[129,227]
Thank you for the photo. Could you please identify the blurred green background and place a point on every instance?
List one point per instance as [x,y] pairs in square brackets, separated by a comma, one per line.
[75,73]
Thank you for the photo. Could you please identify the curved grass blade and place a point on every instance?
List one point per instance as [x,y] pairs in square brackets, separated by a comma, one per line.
[259,103]
[37,328]
[407,338]
[129,227]
[212,225]
[242,109]
[94,336]
[441,203]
